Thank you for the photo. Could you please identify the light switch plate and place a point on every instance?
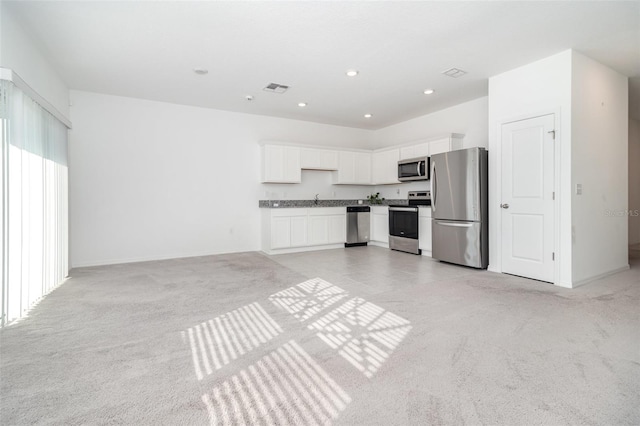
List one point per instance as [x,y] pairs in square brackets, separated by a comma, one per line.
[578,189]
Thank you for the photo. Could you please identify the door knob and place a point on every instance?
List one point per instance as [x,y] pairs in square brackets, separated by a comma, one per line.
[504,206]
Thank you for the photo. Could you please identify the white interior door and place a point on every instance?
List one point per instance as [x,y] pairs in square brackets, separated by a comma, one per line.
[527,197]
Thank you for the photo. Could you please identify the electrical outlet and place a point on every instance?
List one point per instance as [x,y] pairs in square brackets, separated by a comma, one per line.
[578,189]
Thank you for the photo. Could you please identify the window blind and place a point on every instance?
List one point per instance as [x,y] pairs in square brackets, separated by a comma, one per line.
[34,202]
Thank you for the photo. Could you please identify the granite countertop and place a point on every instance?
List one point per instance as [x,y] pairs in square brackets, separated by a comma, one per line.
[323,203]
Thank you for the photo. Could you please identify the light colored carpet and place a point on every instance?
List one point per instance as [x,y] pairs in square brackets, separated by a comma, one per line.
[359,336]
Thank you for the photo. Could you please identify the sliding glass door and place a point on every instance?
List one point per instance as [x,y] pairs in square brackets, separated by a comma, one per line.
[34,202]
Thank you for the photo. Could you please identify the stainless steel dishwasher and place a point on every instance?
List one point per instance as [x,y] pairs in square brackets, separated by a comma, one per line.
[358,225]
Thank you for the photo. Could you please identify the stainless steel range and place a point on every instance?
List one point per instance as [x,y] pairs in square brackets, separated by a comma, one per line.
[403,222]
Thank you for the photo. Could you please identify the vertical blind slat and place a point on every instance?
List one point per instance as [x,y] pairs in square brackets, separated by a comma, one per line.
[34,202]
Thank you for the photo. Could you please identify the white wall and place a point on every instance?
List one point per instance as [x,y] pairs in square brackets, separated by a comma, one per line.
[469,118]
[634,181]
[20,53]
[538,88]
[151,180]
[599,161]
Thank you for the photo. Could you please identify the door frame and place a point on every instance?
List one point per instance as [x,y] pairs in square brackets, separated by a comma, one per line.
[495,210]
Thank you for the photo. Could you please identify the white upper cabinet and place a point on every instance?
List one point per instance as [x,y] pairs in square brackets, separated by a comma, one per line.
[385,167]
[450,143]
[281,164]
[318,159]
[414,151]
[353,168]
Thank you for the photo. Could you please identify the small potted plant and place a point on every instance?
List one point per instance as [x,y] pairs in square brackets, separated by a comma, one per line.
[375,198]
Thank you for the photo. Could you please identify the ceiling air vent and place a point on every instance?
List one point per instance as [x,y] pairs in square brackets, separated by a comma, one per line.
[276,88]
[454,72]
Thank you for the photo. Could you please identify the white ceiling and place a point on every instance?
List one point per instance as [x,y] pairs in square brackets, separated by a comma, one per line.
[149,49]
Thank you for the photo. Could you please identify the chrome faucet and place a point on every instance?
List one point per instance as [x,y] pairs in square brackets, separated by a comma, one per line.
[316,199]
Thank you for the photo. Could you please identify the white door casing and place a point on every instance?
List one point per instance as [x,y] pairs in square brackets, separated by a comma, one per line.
[527,199]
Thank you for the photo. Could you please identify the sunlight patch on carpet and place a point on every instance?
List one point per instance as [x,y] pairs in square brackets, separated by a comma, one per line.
[285,387]
[363,333]
[307,299]
[217,342]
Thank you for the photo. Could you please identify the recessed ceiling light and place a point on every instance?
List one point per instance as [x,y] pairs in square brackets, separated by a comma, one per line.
[429,91]
[249,97]
[201,71]
[351,73]
[368,116]
[302,104]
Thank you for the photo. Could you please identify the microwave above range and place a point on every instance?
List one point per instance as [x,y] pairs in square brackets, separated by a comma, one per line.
[413,169]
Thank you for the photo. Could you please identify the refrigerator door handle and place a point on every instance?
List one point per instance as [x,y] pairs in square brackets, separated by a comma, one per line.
[455,224]
[434,184]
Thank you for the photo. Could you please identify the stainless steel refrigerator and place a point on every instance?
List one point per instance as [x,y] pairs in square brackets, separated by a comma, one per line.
[459,204]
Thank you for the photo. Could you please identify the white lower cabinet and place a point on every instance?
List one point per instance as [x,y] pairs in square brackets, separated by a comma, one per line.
[299,229]
[287,228]
[380,224]
[424,230]
[338,229]
[327,225]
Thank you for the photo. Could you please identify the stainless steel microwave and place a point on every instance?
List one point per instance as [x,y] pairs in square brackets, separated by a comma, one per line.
[413,169]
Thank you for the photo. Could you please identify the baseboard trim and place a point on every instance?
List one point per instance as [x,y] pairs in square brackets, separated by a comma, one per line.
[599,276]
[151,258]
[379,244]
[302,249]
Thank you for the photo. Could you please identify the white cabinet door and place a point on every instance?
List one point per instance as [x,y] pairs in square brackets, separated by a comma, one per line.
[424,230]
[447,144]
[280,232]
[318,230]
[298,231]
[414,151]
[318,159]
[353,168]
[281,164]
[380,224]
[327,225]
[424,237]
[385,167]
[363,168]
[288,228]
[337,229]
[439,146]
[346,167]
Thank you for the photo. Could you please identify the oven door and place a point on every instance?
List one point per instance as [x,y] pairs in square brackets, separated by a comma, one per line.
[403,222]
